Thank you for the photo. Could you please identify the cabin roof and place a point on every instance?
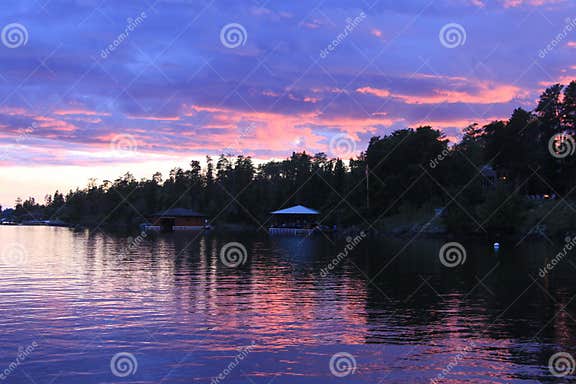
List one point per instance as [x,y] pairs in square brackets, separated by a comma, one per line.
[178,212]
[296,210]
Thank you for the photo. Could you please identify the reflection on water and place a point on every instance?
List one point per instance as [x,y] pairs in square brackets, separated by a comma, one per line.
[83,297]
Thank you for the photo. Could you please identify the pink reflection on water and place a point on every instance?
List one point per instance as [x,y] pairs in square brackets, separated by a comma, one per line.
[84,296]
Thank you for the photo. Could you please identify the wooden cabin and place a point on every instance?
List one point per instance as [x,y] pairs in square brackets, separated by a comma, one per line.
[294,220]
[177,219]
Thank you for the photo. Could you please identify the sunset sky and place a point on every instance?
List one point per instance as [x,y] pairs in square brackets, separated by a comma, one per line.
[95,88]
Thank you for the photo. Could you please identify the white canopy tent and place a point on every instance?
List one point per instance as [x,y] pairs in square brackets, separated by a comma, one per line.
[297,220]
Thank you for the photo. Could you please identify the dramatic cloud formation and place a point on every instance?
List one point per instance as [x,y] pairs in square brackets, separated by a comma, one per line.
[84,80]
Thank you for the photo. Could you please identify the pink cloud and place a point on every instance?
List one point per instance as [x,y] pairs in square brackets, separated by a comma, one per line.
[154,118]
[314,24]
[486,94]
[376,32]
[457,123]
[328,90]
[87,119]
[515,3]
[533,3]
[383,93]
[276,132]
[55,124]
[67,112]
[199,108]
[270,93]
[564,79]
[482,93]
[11,111]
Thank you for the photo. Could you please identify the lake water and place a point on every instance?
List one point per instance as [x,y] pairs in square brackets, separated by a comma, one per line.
[85,307]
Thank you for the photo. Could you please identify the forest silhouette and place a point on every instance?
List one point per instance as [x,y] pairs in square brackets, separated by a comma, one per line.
[502,177]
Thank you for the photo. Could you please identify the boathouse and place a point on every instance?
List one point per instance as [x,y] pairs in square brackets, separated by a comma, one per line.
[177,219]
[296,219]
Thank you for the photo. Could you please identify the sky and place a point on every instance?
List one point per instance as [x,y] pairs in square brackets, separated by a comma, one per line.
[96,88]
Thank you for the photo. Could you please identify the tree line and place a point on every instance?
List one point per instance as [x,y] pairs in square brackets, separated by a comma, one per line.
[493,179]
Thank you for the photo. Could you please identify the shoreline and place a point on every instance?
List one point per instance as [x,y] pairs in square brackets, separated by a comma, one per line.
[342,232]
